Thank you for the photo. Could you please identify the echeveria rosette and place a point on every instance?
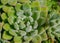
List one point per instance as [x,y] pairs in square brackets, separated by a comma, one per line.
[29,21]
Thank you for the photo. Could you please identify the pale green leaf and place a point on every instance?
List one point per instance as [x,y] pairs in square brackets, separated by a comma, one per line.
[12,2]
[6,27]
[37,39]
[12,32]
[4,1]
[6,36]
[18,6]
[17,39]
[11,20]
[3,16]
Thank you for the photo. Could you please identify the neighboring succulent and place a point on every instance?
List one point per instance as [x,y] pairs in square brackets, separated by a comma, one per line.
[29,21]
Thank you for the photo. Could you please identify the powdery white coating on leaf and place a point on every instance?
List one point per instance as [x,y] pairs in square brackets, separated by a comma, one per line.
[28,23]
[29,28]
[35,33]
[31,19]
[16,26]
[20,13]
[22,33]
[35,24]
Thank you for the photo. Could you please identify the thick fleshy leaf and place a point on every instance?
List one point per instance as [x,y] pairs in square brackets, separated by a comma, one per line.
[41,21]
[16,26]
[36,15]
[31,19]
[12,32]
[12,2]
[44,11]
[4,1]
[28,23]
[44,36]
[49,31]
[34,33]
[22,33]
[36,5]
[5,9]
[6,27]
[11,20]
[17,39]
[56,34]
[29,29]
[37,39]
[6,36]
[20,13]
[22,25]
[18,6]
[1,6]
[3,16]
[10,12]
[28,38]
[26,7]
[43,33]
[35,25]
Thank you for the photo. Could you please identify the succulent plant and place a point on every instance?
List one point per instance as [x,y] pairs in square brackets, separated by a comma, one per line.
[29,21]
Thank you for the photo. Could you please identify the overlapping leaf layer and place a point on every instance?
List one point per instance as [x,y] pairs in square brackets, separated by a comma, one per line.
[29,21]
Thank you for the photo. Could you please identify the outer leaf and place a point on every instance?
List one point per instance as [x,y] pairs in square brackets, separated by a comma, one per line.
[10,11]
[5,9]
[6,36]
[44,11]
[36,39]
[12,32]
[18,6]
[27,9]
[3,16]
[1,6]
[6,27]
[4,1]
[44,36]
[17,39]
[36,5]
[43,33]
